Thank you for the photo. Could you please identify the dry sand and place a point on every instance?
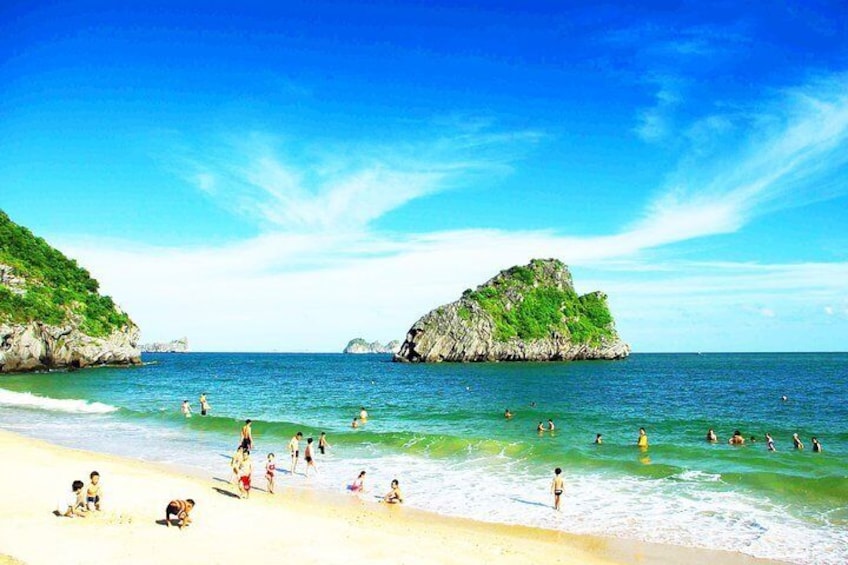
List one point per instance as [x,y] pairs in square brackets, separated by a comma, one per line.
[294,525]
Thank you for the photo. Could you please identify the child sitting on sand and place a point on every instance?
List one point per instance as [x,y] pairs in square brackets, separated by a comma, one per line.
[394,496]
[358,485]
[74,503]
[93,492]
[180,509]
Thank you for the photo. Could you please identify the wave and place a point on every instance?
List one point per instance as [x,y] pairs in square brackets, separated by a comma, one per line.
[69,405]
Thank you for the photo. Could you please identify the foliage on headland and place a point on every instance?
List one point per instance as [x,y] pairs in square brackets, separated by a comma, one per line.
[524,313]
[527,303]
[47,287]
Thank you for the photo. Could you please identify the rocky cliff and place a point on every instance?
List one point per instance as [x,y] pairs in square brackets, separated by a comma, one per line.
[526,313]
[359,345]
[51,314]
[176,346]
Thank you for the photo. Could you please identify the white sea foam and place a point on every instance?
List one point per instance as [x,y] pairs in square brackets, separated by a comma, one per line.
[70,405]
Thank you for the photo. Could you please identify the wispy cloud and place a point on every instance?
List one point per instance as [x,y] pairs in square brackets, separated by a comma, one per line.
[283,287]
[347,187]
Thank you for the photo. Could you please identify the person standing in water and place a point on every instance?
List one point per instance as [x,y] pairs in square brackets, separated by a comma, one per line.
[551,426]
[770,443]
[540,428]
[363,415]
[642,442]
[557,487]
[796,441]
[599,439]
[322,443]
[294,449]
[817,447]
[736,438]
[186,409]
[308,455]
[204,405]
[711,436]
[247,435]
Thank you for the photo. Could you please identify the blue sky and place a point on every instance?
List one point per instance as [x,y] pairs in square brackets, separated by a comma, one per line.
[288,177]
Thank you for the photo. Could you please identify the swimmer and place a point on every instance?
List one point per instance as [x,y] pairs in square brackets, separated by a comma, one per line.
[507,414]
[796,441]
[355,423]
[186,409]
[817,447]
[550,425]
[736,438]
[363,415]
[784,398]
[540,428]
[599,439]
[711,436]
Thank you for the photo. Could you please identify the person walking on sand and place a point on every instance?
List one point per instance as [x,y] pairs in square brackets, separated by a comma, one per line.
[204,405]
[235,463]
[642,442]
[270,471]
[247,435]
[557,487]
[294,449]
[308,456]
[322,443]
[186,409]
[245,474]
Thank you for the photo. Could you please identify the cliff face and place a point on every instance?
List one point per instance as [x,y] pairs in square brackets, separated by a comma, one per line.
[528,313]
[359,345]
[51,314]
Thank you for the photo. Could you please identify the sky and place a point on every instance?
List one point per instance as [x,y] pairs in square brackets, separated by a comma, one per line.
[286,176]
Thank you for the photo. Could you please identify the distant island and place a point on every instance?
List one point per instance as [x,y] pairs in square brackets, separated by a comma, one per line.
[359,345]
[51,313]
[525,313]
[176,346]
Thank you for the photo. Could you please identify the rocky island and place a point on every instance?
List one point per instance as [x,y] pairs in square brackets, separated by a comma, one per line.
[526,313]
[51,313]
[175,346]
[359,345]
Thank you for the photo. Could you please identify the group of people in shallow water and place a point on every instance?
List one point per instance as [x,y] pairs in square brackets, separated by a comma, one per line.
[738,439]
[242,466]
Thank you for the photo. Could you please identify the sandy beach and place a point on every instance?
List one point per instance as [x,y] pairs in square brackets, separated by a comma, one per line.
[295,524]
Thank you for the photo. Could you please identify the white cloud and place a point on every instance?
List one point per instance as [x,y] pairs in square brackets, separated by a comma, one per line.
[321,275]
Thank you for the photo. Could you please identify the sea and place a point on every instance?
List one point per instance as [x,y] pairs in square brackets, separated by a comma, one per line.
[440,430]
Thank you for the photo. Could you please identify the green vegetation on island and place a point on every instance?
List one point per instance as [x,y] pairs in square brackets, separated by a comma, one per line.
[524,302]
[51,288]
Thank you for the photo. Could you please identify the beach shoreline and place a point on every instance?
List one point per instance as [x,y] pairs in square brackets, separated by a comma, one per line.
[309,525]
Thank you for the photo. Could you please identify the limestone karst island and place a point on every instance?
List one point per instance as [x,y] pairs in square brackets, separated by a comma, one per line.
[526,313]
[51,313]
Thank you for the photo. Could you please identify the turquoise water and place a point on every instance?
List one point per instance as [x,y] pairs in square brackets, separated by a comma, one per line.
[440,430]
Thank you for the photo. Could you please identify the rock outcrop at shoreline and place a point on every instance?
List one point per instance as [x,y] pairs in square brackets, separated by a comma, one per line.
[359,345]
[175,346]
[51,314]
[526,313]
